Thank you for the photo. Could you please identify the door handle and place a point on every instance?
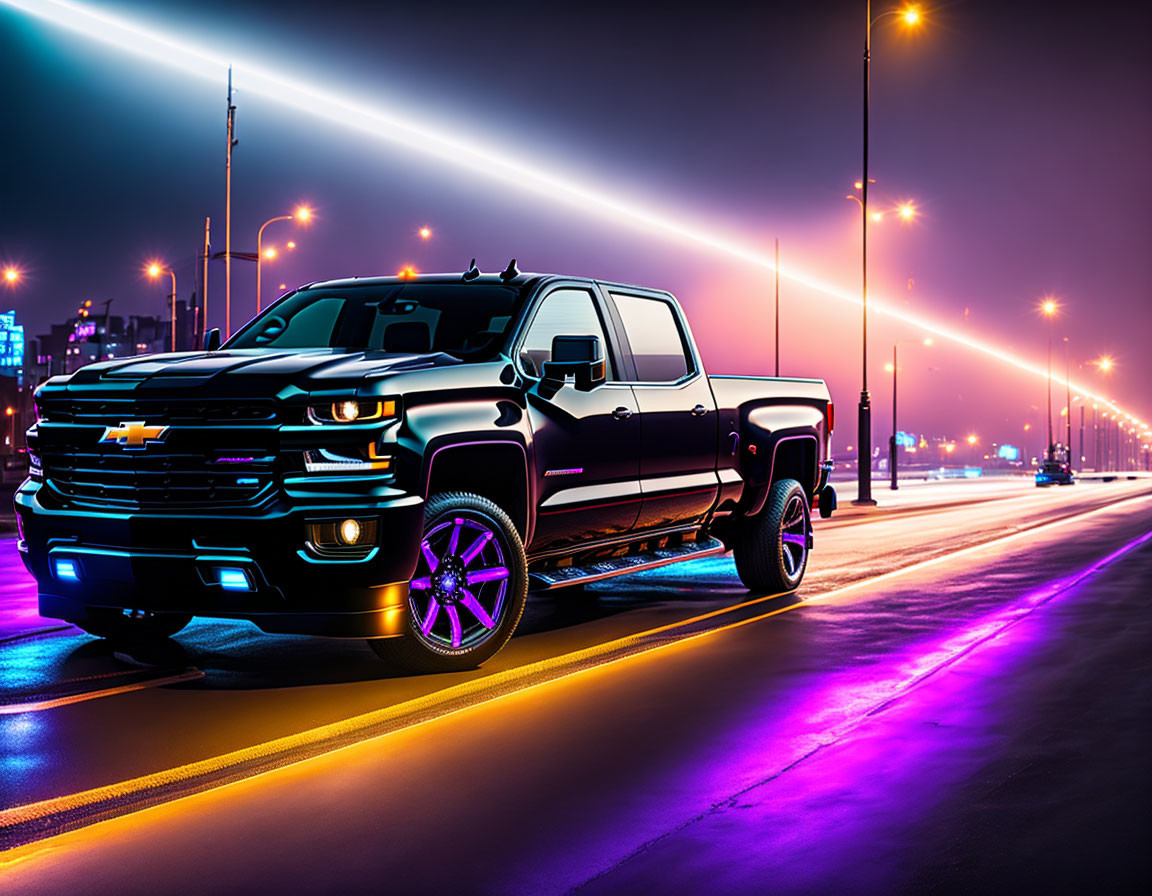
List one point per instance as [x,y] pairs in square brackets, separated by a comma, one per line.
[622,413]
[699,411]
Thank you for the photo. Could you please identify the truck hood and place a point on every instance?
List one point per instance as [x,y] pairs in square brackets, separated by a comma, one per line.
[319,368]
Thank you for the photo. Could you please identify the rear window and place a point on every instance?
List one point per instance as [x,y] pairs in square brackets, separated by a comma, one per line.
[659,349]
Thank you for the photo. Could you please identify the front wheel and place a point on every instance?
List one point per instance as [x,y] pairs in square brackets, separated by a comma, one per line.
[771,550]
[469,590]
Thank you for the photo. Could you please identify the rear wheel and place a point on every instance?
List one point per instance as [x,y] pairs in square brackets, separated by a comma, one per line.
[468,593]
[131,625]
[771,551]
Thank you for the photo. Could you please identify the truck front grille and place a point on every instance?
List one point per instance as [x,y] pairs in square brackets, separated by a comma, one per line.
[156,478]
[211,453]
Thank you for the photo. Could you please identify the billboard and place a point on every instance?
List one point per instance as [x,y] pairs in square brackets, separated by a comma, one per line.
[11,344]
[1009,452]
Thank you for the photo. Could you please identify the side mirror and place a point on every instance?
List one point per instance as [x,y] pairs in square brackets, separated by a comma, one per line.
[212,340]
[578,356]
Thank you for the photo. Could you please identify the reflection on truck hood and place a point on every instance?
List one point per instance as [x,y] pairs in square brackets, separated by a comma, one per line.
[193,368]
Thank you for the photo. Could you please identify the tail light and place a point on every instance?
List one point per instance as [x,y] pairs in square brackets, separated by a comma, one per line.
[830,418]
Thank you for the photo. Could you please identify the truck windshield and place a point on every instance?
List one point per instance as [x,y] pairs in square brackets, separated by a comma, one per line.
[468,320]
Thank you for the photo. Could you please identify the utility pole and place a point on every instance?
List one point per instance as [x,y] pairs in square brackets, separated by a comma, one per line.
[228,212]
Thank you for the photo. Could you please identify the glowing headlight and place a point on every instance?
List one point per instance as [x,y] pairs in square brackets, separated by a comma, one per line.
[349,532]
[352,410]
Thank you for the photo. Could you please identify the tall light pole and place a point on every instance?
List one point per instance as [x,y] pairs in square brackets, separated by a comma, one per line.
[303,214]
[1049,307]
[911,16]
[155,270]
[893,448]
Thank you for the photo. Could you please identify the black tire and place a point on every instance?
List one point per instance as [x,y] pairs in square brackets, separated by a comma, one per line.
[131,626]
[443,631]
[771,549]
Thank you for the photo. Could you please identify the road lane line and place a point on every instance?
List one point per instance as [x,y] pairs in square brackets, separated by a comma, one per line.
[57,815]
[8,709]
[8,639]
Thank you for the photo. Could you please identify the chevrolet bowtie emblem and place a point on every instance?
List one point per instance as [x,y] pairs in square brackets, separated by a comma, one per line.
[134,434]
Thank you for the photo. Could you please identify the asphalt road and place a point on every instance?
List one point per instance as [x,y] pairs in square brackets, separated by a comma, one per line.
[960,701]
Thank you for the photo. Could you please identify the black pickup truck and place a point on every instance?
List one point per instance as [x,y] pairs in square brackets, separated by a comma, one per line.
[401,459]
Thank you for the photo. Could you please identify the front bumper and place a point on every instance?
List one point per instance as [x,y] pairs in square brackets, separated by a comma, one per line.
[169,562]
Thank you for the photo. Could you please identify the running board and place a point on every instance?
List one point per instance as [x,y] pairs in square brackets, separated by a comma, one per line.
[617,566]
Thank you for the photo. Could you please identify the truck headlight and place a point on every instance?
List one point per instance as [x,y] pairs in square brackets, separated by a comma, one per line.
[324,460]
[352,410]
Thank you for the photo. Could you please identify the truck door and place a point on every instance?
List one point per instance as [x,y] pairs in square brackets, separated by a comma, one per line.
[678,428]
[585,445]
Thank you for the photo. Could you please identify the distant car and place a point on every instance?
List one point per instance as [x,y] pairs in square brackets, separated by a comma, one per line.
[1054,472]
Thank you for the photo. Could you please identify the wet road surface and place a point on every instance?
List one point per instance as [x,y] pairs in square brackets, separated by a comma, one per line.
[876,733]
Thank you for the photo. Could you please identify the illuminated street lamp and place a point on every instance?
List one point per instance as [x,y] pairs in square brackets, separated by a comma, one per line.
[911,18]
[303,214]
[893,448]
[12,275]
[425,233]
[155,269]
[11,414]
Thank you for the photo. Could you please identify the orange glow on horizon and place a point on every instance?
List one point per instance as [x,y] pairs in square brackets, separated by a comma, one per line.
[408,272]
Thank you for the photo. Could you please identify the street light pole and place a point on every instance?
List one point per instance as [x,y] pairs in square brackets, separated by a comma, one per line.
[172,274]
[864,411]
[892,446]
[260,252]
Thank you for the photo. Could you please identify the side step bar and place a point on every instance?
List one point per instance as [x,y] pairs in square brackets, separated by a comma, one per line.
[617,566]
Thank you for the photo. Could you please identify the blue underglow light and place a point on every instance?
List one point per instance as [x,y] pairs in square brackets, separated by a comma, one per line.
[66,569]
[231,579]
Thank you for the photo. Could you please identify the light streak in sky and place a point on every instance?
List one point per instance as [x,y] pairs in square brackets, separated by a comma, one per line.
[409,129]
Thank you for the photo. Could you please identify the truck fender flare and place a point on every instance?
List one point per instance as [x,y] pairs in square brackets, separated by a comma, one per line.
[447,444]
[760,492]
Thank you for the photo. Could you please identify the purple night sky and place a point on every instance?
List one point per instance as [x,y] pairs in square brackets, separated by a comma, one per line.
[1022,132]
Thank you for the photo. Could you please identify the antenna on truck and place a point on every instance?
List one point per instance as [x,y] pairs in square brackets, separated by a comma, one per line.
[509,272]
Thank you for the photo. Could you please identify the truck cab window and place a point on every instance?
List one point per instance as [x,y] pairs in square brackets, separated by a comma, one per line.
[565,312]
[659,349]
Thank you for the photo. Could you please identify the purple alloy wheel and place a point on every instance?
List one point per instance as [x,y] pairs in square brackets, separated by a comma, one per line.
[794,537]
[457,597]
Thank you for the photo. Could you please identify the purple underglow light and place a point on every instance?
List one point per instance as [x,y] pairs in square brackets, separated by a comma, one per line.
[235,460]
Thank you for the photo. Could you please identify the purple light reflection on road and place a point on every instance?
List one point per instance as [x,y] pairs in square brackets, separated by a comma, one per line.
[802,788]
[18,606]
